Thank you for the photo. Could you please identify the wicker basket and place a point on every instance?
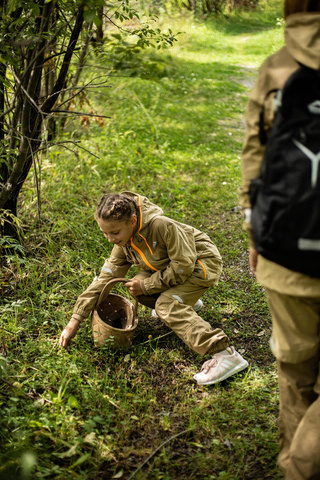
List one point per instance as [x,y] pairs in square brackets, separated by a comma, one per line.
[114,318]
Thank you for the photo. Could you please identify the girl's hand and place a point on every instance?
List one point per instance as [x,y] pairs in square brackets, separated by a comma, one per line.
[69,332]
[134,287]
[253,260]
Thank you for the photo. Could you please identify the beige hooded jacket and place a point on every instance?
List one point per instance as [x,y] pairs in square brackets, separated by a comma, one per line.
[302,44]
[170,250]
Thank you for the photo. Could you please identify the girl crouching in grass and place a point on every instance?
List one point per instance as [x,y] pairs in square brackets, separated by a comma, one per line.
[177,263]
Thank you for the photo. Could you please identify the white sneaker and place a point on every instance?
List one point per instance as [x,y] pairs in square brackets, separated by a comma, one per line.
[154,313]
[221,366]
[196,307]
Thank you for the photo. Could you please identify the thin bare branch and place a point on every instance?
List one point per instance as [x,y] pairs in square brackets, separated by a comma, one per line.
[80,89]
[37,176]
[77,143]
[62,52]
[46,47]
[48,104]
[83,54]
[65,18]
[71,112]
[157,449]
[28,95]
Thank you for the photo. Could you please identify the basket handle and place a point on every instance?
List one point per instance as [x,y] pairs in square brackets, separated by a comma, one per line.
[108,287]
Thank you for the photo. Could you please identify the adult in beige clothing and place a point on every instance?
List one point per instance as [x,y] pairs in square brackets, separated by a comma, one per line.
[177,263]
[293,298]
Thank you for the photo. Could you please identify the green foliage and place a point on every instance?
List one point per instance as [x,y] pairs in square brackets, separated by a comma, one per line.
[88,413]
[199,7]
[38,83]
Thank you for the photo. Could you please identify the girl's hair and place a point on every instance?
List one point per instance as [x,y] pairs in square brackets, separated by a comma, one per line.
[115,206]
[299,6]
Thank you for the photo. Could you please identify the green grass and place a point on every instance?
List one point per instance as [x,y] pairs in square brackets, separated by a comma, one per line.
[85,413]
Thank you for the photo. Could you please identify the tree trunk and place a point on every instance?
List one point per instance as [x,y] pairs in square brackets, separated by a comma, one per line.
[3,165]
[99,29]
[31,115]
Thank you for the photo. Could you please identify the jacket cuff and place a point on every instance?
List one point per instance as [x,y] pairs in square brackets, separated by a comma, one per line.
[76,316]
[143,288]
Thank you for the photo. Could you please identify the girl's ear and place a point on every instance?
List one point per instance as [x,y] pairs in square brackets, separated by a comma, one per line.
[133,219]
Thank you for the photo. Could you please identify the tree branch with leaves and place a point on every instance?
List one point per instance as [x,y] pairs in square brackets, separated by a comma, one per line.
[40,42]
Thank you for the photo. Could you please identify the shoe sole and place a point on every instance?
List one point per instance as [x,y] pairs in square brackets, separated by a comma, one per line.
[237,369]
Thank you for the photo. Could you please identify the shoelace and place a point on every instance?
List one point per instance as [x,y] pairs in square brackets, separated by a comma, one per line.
[209,364]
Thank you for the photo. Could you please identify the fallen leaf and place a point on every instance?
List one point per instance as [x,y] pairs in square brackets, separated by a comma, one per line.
[118,475]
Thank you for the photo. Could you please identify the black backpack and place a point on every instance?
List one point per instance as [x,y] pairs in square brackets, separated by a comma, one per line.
[285,197]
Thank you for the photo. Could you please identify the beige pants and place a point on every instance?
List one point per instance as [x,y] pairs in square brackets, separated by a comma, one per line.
[174,307]
[295,343]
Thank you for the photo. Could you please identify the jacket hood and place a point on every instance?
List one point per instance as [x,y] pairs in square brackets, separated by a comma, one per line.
[302,36]
[147,209]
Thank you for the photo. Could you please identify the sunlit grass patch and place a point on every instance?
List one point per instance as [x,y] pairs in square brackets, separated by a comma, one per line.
[89,413]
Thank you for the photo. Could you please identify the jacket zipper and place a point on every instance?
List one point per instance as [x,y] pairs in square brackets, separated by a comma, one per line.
[204,268]
[142,255]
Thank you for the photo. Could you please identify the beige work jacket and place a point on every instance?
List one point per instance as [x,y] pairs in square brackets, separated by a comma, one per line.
[302,45]
[170,250]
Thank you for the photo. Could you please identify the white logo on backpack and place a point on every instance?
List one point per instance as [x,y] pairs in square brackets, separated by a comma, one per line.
[315,159]
[314,107]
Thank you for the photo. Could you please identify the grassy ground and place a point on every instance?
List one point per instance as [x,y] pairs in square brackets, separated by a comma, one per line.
[87,413]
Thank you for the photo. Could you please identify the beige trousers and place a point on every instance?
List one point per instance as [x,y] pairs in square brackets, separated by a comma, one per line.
[174,307]
[295,343]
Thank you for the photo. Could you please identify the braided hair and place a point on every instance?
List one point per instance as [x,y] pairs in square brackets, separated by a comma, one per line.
[115,206]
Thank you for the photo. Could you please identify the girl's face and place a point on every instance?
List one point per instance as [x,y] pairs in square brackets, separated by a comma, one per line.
[118,232]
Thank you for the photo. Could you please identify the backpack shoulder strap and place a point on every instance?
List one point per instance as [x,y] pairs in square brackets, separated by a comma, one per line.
[263,136]
[302,73]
